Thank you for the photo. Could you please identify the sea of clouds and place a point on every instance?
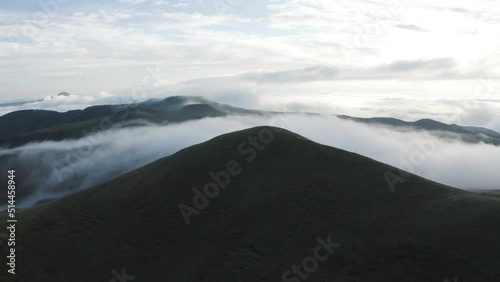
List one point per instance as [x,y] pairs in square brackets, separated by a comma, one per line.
[54,169]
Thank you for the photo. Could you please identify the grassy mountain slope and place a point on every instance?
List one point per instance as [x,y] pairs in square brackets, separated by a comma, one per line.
[493,193]
[266,220]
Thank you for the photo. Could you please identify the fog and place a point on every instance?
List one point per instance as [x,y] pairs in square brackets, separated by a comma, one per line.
[53,169]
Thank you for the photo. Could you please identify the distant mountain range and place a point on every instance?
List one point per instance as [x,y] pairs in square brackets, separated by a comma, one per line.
[469,134]
[22,127]
[268,205]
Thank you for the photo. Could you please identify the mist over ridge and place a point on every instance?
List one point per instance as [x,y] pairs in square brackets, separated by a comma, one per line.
[60,168]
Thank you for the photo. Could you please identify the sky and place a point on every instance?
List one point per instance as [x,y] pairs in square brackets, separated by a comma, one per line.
[405,59]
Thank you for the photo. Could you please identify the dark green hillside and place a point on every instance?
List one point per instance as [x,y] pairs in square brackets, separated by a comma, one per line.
[265,221]
[30,120]
[19,128]
[22,127]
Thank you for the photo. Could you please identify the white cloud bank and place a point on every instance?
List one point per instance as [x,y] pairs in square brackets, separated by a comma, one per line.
[59,168]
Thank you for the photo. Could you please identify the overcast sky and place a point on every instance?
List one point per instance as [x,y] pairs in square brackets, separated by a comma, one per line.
[406,59]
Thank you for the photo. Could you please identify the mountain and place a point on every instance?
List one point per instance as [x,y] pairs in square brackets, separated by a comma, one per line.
[469,134]
[22,127]
[274,200]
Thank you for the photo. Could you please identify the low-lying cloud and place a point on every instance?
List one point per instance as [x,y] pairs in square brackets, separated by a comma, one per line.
[54,169]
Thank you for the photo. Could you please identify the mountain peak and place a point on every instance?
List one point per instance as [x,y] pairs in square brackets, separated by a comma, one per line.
[246,200]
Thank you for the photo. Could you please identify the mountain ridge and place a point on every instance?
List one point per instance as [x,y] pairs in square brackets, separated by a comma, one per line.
[264,221]
[22,127]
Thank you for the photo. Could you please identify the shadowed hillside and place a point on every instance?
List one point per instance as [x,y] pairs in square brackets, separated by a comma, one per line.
[284,194]
[22,127]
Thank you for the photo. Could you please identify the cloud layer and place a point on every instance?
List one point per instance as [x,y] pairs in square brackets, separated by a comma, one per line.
[54,169]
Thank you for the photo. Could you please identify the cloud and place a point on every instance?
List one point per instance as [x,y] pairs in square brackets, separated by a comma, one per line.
[54,169]
[411,27]
[132,1]
[94,48]
[422,65]
[432,69]
[315,73]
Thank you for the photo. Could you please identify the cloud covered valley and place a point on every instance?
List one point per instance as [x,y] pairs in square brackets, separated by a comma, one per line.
[54,169]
